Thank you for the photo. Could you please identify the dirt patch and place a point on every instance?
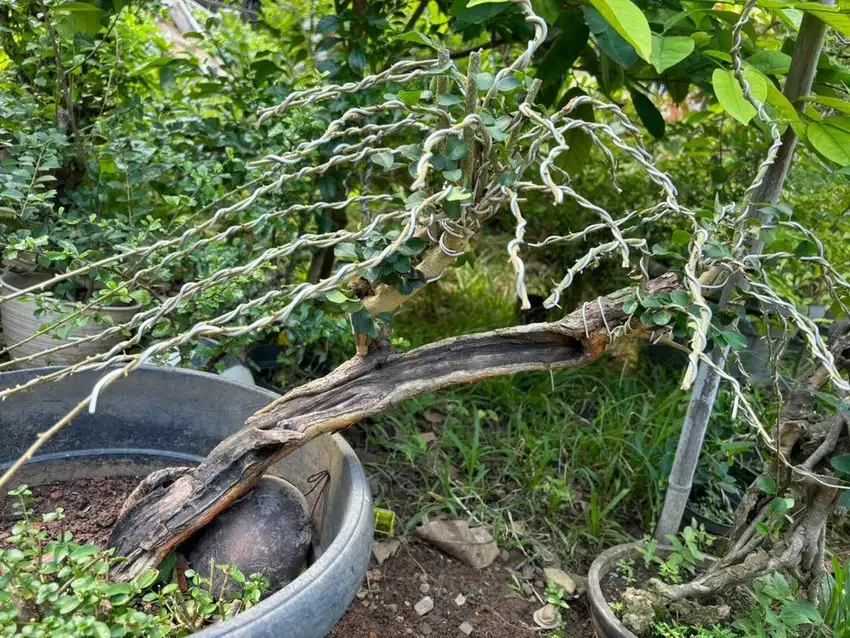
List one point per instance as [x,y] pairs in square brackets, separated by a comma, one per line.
[91,506]
[495,606]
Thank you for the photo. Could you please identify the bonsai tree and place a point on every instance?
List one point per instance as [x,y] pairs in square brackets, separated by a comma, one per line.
[462,146]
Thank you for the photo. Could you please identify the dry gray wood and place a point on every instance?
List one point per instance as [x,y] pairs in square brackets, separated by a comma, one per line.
[171,508]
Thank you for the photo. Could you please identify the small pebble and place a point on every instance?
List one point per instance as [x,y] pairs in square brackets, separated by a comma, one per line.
[425,629]
[460,600]
[539,584]
[466,628]
[399,618]
[424,588]
[505,556]
[362,593]
[527,590]
[392,608]
[56,494]
[423,578]
[424,606]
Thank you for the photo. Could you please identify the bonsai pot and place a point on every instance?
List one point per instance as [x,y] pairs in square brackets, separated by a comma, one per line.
[20,322]
[605,622]
[159,417]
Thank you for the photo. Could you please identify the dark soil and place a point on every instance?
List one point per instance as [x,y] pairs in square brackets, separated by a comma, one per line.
[495,606]
[615,582]
[91,507]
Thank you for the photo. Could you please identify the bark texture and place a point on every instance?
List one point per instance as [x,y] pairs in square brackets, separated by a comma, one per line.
[171,506]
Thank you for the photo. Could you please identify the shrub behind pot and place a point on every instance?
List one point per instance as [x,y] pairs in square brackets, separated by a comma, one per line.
[20,322]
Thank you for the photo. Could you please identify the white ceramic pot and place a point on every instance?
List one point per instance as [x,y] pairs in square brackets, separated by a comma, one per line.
[20,323]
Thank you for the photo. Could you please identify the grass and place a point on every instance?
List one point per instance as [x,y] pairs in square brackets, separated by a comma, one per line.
[568,463]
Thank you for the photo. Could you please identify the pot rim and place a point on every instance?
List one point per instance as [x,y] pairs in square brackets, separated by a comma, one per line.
[595,597]
[134,307]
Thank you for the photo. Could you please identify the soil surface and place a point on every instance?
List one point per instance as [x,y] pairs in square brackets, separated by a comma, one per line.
[91,507]
[495,607]
[497,602]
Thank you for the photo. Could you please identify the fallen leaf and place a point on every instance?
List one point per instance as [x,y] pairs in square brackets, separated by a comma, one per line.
[432,416]
[384,550]
[473,546]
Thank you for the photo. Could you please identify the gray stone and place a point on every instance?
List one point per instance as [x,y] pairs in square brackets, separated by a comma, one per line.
[424,606]
[465,628]
[266,531]
[424,588]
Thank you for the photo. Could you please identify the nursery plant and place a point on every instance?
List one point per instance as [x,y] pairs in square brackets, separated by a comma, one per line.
[460,143]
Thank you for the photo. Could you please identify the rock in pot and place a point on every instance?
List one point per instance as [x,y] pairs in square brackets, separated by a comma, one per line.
[267,531]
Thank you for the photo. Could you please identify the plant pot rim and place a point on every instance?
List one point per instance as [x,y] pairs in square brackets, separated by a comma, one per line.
[605,621]
[4,282]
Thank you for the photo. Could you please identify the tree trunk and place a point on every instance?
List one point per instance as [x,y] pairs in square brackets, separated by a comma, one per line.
[168,508]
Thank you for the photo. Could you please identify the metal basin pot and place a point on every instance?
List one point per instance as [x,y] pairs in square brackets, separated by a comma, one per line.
[159,417]
[20,323]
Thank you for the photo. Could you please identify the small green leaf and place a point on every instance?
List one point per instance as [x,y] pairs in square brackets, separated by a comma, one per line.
[681,237]
[448,99]
[456,149]
[731,96]
[830,139]
[668,51]
[650,301]
[736,340]
[627,20]
[411,98]
[508,83]
[770,62]
[648,113]
[363,323]
[475,3]
[661,317]
[630,305]
[766,484]
[418,38]
[680,298]
[453,176]
[840,464]
[507,178]
[484,81]
[385,159]
[335,296]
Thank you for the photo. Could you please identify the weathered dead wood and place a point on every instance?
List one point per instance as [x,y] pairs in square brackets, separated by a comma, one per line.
[166,512]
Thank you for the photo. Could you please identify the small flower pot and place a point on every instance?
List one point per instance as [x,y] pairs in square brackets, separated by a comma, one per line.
[159,417]
[20,323]
[605,621]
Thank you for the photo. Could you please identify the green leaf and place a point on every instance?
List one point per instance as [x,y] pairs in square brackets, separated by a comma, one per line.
[840,464]
[475,3]
[453,176]
[831,102]
[77,17]
[770,62]
[357,60]
[668,51]
[766,484]
[335,296]
[799,612]
[680,298]
[363,323]
[833,16]
[831,139]
[484,81]
[508,83]
[448,99]
[563,52]
[612,43]
[648,113]
[628,20]
[101,629]
[650,301]
[735,340]
[384,159]
[418,38]
[681,238]
[411,98]
[661,317]
[456,149]
[731,96]
[630,305]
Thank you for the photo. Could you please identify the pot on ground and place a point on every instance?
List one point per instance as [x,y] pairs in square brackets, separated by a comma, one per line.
[605,622]
[157,418]
[20,322]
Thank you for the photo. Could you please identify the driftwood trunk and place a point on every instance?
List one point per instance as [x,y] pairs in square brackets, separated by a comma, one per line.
[170,506]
